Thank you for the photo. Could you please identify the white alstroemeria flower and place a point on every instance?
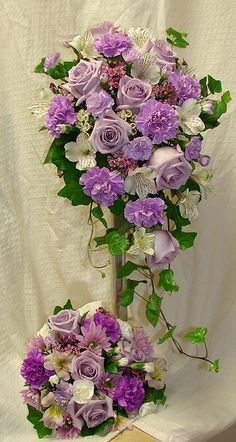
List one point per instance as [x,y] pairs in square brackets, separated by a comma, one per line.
[203,176]
[54,379]
[189,113]
[44,331]
[81,152]
[84,44]
[90,308]
[140,36]
[146,69]
[126,330]
[147,408]
[156,377]
[143,243]
[188,204]
[123,362]
[141,181]
[83,391]
[53,416]
[40,108]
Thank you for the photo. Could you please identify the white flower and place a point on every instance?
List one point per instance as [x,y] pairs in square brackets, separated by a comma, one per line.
[189,113]
[83,44]
[143,243]
[188,204]
[83,391]
[147,408]
[47,399]
[40,108]
[90,308]
[44,331]
[203,176]
[123,362]
[148,367]
[146,69]
[140,36]
[126,330]
[81,152]
[53,416]
[141,181]
[54,380]
[156,377]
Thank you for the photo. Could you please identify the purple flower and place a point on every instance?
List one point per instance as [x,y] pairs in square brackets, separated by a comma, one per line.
[107,384]
[172,169]
[87,365]
[93,412]
[113,44]
[84,79]
[193,149]
[60,112]
[101,29]
[110,325]
[65,322]
[204,160]
[166,248]
[186,85]
[32,397]
[36,342]
[99,102]
[110,133]
[51,61]
[63,393]
[145,212]
[129,393]
[141,349]
[165,55]
[132,93]
[138,149]
[67,433]
[131,55]
[102,185]
[94,338]
[33,370]
[158,120]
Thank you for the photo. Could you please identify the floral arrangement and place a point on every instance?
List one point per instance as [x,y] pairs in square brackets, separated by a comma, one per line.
[87,372]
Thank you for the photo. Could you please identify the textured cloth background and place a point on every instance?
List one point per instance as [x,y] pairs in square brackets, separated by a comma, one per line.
[43,238]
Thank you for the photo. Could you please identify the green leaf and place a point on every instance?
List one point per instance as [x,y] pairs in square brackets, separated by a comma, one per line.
[74,192]
[204,88]
[68,305]
[128,268]
[185,239]
[167,335]
[191,185]
[174,214]
[57,309]
[153,308]
[214,85]
[39,69]
[226,97]
[42,128]
[215,366]
[118,207]
[167,282]
[127,295]
[34,415]
[42,430]
[177,38]
[56,155]
[117,243]
[69,64]
[153,395]
[112,367]
[58,72]
[197,336]
[99,429]
[98,213]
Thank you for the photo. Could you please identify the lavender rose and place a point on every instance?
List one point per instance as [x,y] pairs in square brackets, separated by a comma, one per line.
[166,248]
[66,322]
[172,169]
[93,412]
[110,133]
[84,79]
[165,54]
[132,93]
[87,365]
[99,102]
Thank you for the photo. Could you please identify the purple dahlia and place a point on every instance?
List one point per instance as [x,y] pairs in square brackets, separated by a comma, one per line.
[102,185]
[33,370]
[186,86]
[129,393]
[60,112]
[145,212]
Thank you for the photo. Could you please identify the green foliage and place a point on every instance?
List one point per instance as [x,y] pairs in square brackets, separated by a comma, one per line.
[167,335]
[167,282]
[39,69]
[215,366]
[214,85]
[56,155]
[111,367]
[174,214]
[98,213]
[197,336]
[185,239]
[127,295]
[128,268]
[73,191]
[117,243]
[226,97]
[220,108]
[153,309]
[153,395]
[35,416]
[59,71]
[191,185]
[67,306]
[177,38]
[204,88]
[118,207]
[99,429]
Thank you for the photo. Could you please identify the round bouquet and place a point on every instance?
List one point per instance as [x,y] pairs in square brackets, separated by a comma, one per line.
[87,372]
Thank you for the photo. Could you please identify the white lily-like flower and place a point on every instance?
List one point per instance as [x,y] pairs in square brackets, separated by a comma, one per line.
[147,408]
[40,108]
[81,152]
[143,243]
[140,36]
[83,44]
[126,330]
[146,69]
[188,204]
[203,176]
[141,181]
[189,113]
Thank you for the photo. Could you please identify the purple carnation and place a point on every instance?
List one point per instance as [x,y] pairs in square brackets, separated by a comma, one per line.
[60,112]
[129,393]
[145,212]
[110,325]
[186,85]
[99,102]
[193,149]
[51,61]
[138,149]
[158,120]
[102,185]
[33,370]
[113,44]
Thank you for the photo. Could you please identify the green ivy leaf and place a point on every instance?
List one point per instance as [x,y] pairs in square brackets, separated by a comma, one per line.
[214,85]
[98,213]
[153,395]
[215,366]
[118,207]
[197,336]
[167,282]
[99,429]
[167,335]
[33,415]
[128,268]
[42,128]
[127,295]
[185,239]
[42,430]
[153,308]
[57,309]
[68,305]
[174,214]
[74,192]
[177,38]
[226,97]
[204,88]
[117,243]
[39,69]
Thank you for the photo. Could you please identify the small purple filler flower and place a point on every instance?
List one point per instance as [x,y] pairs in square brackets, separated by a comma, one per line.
[59,112]
[186,85]
[158,120]
[33,370]
[113,44]
[110,325]
[99,102]
[145,212]
[129,393]
[193,149]
[139,149]
[51,61]
[102,185]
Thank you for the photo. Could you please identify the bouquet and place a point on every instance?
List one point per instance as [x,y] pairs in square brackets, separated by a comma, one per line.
[87,372]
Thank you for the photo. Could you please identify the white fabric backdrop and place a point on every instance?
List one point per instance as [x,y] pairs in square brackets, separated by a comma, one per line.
[43,238]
